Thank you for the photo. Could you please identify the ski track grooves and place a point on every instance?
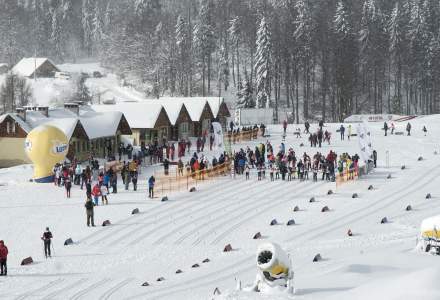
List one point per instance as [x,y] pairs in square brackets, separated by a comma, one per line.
[248,217]
[40,289]
[114,289]
[252,203]
[237,267]
[65,288]
[154,212]
[88,289]
[215,210]
[203,205]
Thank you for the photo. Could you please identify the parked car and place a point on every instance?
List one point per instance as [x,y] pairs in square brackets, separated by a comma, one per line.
[97,74]
[62,75]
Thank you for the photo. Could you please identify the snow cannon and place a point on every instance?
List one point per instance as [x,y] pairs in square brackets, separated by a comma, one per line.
[430,235]
[274,271]
[45,146]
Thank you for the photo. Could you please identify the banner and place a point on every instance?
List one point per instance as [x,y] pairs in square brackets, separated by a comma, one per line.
[362,141]
[218,137]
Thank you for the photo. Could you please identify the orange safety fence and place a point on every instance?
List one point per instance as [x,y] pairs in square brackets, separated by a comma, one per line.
[184,180]
[347,176]
[242,136]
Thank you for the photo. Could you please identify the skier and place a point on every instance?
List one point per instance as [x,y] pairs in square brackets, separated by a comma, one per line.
[408,128]
[349,132]
[3,259]
[307,127]
[67,186]
[385,127]
[180,167]
[166,166]
[285,127]
[151,182]
[392,128]
[96,192]
[89,211]
[47,238]
[342,132]
[375,158]
[104,193]
[247,169]
[425,130]
[134,179]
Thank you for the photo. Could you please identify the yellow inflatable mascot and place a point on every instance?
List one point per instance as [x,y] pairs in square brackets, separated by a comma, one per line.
[45,146]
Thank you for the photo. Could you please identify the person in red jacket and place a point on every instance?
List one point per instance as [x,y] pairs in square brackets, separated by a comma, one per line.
[96,193]
[3,259]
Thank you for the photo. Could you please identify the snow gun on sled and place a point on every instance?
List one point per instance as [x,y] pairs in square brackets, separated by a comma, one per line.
[274,272]
[430,235]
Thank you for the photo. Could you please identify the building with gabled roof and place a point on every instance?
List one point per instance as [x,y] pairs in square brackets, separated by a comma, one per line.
[39,66]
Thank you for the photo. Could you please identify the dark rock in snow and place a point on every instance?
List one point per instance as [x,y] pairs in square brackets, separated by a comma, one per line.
[135,211]
[428,196]
[354,196]
[291,222]
[384,220]
[192,190]
[370,188]
[195,266]
[145,284]
[312,200]
[106,223]
[164,199]
[206,260]
[179,271]
[403,167]
[228,248]
[160,279]
[330,192]
[296,208]
[317,258]
[68,242]
[27,261]
[257,236]
[325,209]
[420,158]
[273,222]
[408,208]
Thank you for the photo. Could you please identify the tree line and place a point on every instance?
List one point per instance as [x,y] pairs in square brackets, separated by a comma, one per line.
[317,59]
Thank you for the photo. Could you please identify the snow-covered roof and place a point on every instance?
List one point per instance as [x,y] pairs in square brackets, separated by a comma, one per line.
[28,65]
[2,65]
[100,124]
[17,119]
[138,114]
[215,103]
[172,108]
[194,105]
[65,124]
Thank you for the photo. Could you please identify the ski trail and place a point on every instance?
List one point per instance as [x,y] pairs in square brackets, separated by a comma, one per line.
[184,201]
[240,266]
[214,211]
[203,205]
[114,289]
[40,289]
[63,289]
[228,217]
[89,289]
[228,230]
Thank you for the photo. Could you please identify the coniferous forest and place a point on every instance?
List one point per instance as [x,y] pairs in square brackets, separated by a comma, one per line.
[318,59]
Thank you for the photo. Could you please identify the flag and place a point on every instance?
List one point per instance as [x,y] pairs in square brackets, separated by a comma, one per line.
[218,137]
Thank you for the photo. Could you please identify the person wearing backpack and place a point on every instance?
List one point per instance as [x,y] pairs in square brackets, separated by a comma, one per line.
[89,205]
[47,239]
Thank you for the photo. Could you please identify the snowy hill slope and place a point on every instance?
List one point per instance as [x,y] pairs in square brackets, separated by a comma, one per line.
[112,262]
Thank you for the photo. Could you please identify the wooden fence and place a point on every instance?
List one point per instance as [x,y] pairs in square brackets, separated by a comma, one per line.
[242,136]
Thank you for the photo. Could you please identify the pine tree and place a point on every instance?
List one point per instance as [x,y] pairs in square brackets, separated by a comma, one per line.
[244,95]
[263,64]
[87,24]
[223,68]
[98,26]
[234,34]
[56,35]
[204,41]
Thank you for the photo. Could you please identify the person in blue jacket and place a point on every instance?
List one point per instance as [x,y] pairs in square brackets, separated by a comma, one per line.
[151,182]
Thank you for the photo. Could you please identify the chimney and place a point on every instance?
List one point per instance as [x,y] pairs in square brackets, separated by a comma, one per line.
[73,107]
[44,110]
[21,112]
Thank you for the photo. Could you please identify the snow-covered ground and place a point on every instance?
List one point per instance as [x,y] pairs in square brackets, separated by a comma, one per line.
[378,262]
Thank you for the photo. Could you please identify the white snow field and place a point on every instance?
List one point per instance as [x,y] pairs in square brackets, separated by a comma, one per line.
[378,262]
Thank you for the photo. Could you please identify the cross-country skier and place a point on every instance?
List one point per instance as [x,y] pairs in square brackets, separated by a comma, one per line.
[47,238]
[3,259]
[151,182]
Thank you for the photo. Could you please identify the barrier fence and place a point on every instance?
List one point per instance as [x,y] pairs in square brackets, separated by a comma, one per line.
[184,180]
[242,136]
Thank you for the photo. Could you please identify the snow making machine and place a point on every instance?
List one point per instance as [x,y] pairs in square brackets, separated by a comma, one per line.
[274,271]
[430,235]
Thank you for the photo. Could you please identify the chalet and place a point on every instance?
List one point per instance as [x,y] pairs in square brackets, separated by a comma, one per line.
[39,67]
[148,121]
[88,132]
[220,110]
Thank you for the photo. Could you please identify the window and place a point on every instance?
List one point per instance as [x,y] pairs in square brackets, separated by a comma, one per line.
[8,130]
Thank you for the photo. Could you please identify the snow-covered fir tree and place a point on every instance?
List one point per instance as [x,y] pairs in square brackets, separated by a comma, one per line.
[263,61]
